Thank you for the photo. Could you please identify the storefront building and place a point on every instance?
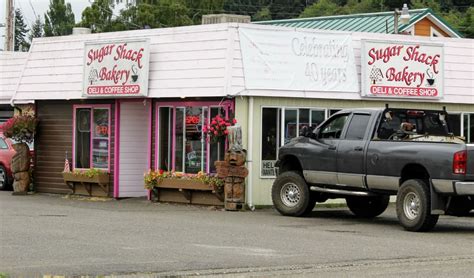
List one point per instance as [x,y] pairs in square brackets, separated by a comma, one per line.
[146,109]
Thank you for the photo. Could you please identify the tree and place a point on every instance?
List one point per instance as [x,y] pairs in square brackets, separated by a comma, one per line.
[98,17]
[36,30]
[165,13]
[59,19]
[321,8]
[21,31]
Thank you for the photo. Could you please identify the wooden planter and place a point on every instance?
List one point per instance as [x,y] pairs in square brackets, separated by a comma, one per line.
[101,179]
[186,187]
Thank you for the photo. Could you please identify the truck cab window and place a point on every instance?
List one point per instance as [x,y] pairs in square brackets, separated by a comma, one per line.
[333,129]
[357,127]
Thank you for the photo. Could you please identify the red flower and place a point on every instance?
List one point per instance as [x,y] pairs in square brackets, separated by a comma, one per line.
[161,171]
[234,121]
[215,132]
[213,122]
[226,132]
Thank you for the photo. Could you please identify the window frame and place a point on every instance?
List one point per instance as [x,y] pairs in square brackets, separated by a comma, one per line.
[227,106]
[281,128]
[92,107]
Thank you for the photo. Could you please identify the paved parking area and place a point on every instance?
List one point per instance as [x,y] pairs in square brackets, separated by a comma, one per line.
[52,234]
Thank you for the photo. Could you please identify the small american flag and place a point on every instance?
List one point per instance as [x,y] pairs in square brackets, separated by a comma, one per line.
[67,168]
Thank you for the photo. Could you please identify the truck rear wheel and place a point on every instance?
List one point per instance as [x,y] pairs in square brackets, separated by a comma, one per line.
[367,207]
[291,195]
[414,206]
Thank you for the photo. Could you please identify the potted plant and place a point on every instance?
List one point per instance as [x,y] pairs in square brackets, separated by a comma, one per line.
[183,181]
[87,178]
[21,129]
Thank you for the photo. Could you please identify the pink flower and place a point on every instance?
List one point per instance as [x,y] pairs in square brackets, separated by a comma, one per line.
[216,133]
[227,124]
[234,121]
[213,122]
[226,132]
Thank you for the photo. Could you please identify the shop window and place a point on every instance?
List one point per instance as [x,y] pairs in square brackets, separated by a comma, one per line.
[270,140]
[182,144]
[92,137]
[468,121]
[164,139]
[454,123]
[279,126]
[291,125]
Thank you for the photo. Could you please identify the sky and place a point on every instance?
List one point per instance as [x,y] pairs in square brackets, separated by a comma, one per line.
[38,7]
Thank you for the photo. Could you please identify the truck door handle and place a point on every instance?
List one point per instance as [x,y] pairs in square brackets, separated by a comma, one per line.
[332,147]
[358,148]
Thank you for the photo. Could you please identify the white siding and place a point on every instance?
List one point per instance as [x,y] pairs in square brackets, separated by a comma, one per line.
[184,61]
[133,149]
[206,61]
[11,65]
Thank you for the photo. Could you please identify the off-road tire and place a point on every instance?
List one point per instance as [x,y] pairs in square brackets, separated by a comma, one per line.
[5,184]
[414,206]
[291,195]
[367,207]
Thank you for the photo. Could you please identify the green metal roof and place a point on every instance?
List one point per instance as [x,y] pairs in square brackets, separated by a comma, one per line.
[370,22]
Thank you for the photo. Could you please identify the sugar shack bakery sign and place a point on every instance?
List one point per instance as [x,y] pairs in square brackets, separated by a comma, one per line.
[402,70]
[116,69]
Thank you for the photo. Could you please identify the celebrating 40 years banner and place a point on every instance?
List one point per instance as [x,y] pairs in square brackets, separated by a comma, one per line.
[402,69]
[298,60]
[116,68]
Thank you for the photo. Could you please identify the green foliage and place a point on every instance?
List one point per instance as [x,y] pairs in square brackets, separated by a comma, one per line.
[36,30]
[321,8]
[21,31]
[59,19]
[98,17]
[90,173]
[20,128]
[154,178]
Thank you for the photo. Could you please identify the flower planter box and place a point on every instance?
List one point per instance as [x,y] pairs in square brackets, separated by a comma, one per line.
[101,180]
[186,187]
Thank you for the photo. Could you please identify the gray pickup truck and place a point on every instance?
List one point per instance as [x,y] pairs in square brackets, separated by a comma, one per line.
[366,155]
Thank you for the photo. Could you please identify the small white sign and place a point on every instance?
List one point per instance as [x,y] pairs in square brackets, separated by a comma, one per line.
[116,69]
[268,168]
[402,70]
[298,60]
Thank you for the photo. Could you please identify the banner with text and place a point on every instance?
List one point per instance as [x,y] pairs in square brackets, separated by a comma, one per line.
[402,70]
[298,60]
[116,69]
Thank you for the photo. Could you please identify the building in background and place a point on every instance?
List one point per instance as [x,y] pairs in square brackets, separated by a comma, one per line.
[422,22]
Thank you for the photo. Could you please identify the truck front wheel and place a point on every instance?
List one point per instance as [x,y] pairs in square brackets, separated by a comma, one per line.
[367,207]
[414,206]
[291,195]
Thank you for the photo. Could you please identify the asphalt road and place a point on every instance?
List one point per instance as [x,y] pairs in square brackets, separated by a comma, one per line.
[55,235]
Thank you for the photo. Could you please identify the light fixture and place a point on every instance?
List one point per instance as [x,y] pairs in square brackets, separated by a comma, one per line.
[404,17]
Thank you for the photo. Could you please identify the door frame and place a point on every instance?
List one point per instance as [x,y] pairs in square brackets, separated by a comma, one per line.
[117,138]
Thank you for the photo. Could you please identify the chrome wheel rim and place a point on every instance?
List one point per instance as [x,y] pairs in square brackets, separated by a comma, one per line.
[411,205]
[290,194]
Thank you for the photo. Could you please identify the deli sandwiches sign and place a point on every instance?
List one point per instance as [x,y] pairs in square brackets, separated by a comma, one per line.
[116,69]
[402,70]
